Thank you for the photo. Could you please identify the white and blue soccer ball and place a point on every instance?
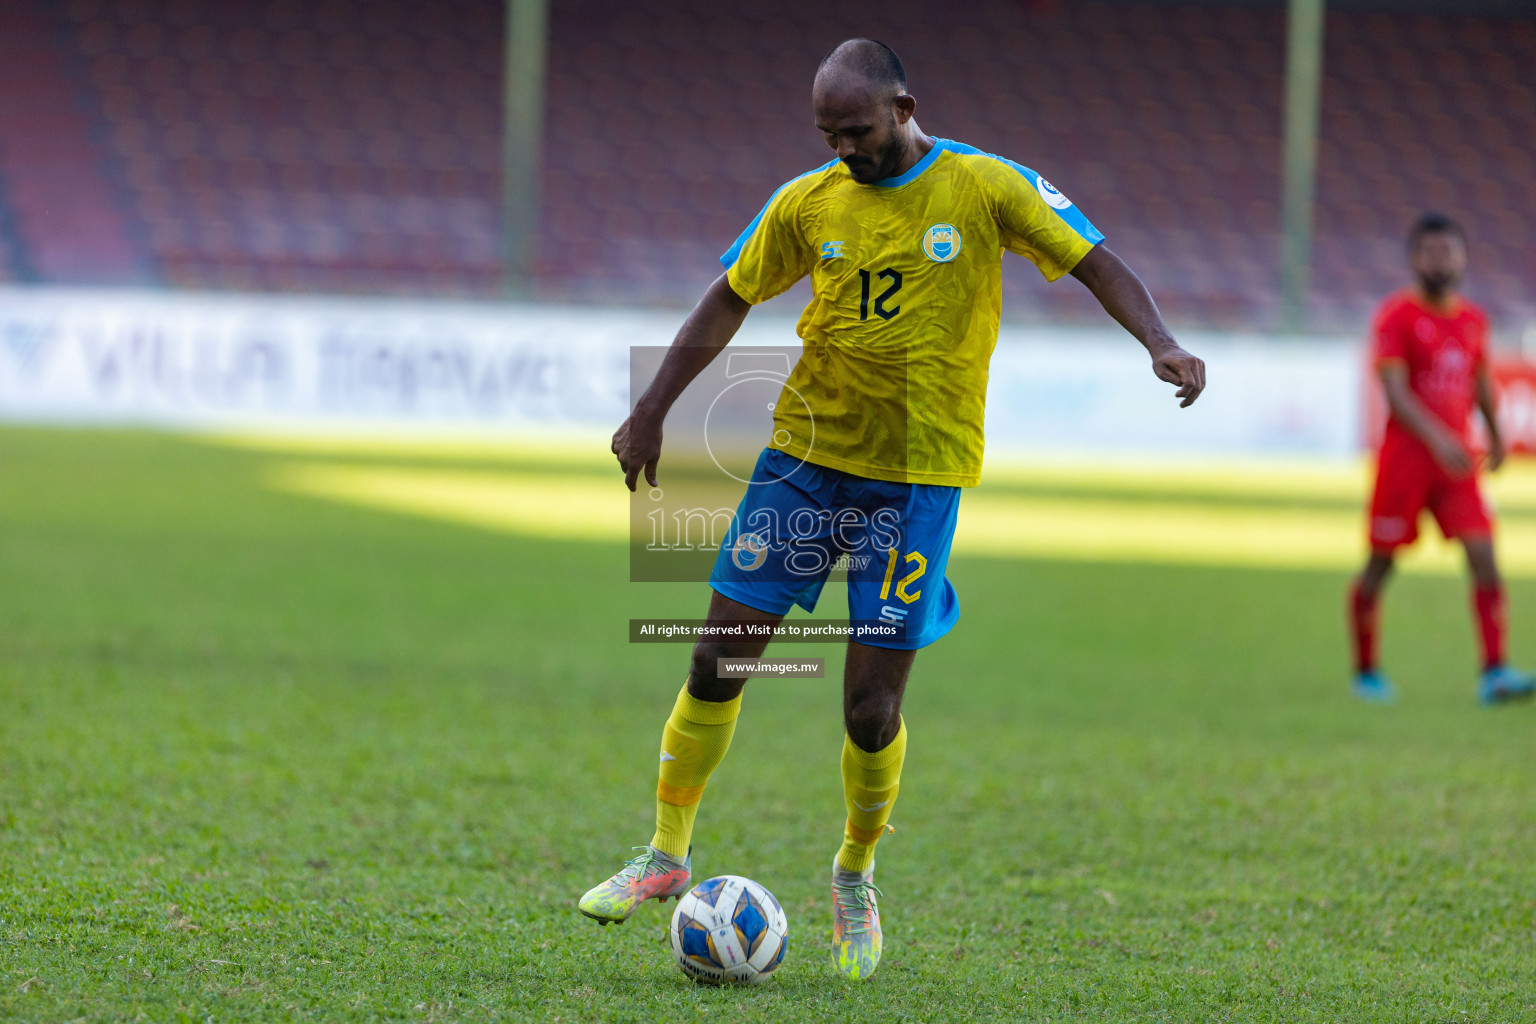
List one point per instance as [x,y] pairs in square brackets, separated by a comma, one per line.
[729,930]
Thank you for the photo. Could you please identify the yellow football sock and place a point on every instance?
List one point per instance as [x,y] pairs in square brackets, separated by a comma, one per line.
[693,744]
[870,782]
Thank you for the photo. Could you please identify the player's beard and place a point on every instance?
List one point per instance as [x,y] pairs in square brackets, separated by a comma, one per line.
[1438,284]
[883,165]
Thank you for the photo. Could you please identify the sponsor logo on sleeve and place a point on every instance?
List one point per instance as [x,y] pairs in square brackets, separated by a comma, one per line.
[1052,195]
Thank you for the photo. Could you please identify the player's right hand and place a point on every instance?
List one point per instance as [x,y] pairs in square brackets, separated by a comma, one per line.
[637,445]
[1452,455]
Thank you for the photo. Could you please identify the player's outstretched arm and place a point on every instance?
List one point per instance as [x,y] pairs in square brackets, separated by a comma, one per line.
[1125,298]
[713,323]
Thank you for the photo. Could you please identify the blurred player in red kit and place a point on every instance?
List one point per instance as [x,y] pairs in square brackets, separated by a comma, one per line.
[1430,348]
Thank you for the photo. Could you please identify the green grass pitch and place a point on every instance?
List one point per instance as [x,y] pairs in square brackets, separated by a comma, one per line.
[264,757]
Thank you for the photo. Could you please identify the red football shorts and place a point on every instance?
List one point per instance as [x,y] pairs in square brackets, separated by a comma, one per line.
[1409,480]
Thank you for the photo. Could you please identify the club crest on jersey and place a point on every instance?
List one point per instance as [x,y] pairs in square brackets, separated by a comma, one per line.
[751,551]
[1052,195]
[942,242]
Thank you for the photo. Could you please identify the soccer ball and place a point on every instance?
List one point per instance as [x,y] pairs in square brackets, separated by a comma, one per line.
[729,930]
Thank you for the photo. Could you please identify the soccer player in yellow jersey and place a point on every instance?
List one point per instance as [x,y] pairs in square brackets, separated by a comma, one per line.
[902,236]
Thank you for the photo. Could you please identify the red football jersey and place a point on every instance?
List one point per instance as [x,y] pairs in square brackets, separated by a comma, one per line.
[1442,350]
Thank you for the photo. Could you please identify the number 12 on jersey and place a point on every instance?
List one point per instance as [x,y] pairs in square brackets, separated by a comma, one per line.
[894,277]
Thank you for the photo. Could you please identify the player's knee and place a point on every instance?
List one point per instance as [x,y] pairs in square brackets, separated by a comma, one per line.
[872,720]
[1480,559]
[704,681]
[1377,569]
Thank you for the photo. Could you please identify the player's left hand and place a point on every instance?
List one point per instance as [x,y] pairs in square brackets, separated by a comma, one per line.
[1176,366]
[1495,457]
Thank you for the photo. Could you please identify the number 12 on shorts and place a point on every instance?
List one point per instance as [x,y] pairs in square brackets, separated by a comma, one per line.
[907,597]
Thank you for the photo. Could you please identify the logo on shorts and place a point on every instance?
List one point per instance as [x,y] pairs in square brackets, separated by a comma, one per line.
[895,616]
[1052,195]
[831,250]
[942,242]
[750,552]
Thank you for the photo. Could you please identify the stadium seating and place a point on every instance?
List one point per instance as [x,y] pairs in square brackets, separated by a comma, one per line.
[11,266]
[63,219]
[1163,121]
[354,145]
[341,146]
[1428,112]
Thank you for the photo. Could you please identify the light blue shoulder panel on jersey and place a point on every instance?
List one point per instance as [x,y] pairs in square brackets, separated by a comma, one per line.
[729,257]
[1071,214]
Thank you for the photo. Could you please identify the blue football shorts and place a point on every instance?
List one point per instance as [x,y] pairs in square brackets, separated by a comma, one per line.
[798,521]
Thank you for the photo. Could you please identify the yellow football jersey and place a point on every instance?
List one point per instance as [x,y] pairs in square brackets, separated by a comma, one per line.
[906,278]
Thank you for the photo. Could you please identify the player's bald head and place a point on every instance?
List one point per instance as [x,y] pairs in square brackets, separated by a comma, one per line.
[863,108]
[861,65]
